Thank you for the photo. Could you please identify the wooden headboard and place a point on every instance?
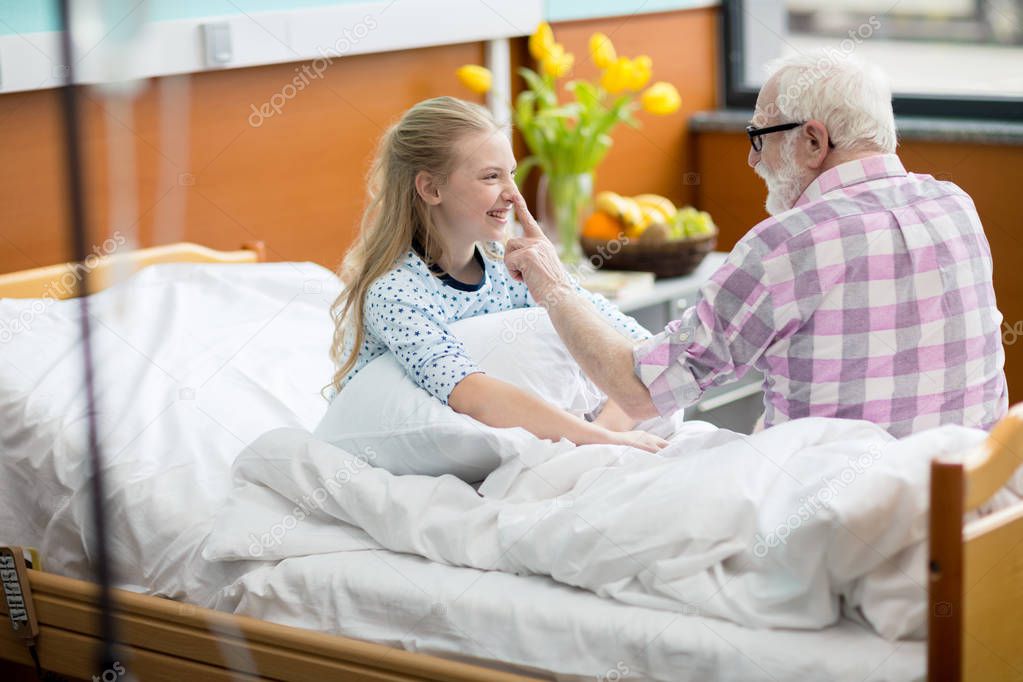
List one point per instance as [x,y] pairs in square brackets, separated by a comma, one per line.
[64,280]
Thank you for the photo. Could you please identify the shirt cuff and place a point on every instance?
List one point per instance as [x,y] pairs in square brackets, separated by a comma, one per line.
[660,365]
[445,372]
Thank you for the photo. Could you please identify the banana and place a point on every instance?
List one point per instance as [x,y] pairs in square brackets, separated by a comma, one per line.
[624,209]
[651,215]
[662,205]
[636,213]
[609,203]
[632,216]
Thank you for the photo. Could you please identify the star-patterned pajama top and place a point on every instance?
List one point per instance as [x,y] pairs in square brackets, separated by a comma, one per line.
[408,310]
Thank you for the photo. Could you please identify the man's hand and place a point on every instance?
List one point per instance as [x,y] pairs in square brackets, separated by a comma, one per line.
[602,353]
[532,259]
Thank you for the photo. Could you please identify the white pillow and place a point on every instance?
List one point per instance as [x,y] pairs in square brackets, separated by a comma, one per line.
[384,416]
[522,347]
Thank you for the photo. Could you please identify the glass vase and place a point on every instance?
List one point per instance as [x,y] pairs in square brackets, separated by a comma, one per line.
[564,200]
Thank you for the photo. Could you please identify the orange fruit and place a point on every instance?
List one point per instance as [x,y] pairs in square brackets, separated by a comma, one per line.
[601,226]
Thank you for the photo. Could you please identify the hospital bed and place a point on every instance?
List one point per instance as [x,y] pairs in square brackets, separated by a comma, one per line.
[975,596]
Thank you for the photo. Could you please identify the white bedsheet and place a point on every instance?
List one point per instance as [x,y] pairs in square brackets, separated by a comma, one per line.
[532,621]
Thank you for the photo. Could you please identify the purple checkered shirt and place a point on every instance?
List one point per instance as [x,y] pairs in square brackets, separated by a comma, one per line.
[870,299]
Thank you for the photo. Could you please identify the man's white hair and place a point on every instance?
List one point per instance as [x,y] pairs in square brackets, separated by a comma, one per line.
[851,98]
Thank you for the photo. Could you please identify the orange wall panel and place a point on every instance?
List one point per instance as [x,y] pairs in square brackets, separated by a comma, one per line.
[295,179]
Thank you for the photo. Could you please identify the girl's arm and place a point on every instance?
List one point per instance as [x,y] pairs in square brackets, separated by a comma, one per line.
[501,405]
[404,314]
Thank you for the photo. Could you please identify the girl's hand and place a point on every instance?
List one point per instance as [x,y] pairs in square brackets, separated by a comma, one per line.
[591,433]
[639,439]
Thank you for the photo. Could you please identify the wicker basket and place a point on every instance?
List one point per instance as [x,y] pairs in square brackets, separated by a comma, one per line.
[672,258]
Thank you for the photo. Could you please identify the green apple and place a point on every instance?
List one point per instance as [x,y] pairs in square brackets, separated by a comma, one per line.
[700,225]
[677,229]
[690,222]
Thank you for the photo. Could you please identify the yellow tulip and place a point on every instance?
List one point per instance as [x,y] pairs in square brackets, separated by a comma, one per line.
[642,69]
[476,78]
[602,51]
[661,98]
[541,42]
[556,63]
[616,76]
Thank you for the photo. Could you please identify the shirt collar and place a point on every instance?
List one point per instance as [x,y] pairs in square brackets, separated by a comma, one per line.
[416,254]
[852,173]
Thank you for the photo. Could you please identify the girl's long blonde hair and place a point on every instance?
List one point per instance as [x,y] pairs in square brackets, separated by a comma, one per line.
[425,139]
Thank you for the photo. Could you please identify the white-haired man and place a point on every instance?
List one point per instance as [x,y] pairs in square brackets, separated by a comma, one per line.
[866,295]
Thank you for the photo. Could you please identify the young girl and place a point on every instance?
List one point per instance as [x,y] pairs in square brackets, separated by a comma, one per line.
[429,253]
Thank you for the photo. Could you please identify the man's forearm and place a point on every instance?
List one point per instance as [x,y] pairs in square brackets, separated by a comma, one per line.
[613,417]
[602,353]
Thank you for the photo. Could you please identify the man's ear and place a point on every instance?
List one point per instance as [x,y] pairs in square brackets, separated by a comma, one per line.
[815,138]
[426,187]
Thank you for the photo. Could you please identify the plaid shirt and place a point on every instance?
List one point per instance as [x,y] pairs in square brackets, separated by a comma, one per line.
[870,299]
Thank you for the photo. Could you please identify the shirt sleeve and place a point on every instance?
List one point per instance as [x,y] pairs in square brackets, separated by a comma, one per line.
[409,322]
[735,319]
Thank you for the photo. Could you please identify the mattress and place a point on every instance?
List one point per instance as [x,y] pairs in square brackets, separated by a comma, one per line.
[539,624]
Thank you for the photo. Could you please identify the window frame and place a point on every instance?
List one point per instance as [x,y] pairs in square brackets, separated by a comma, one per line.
[1008,109]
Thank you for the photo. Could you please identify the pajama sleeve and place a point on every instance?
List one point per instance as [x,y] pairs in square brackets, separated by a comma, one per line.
[409,322]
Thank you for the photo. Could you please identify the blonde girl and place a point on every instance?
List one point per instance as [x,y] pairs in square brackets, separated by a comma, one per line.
[429,253]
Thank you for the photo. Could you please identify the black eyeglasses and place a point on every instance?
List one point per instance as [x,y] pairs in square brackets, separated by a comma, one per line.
[755,133]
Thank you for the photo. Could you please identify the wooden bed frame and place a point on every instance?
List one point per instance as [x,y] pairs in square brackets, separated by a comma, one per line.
[975,593]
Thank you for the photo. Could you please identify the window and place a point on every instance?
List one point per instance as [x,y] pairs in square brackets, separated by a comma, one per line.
[946,58]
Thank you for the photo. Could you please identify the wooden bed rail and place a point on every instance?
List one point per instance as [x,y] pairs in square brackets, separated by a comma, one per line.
[975,618]
[61,281]
[162,639]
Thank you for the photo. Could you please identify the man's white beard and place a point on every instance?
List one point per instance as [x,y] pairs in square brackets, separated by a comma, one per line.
[783,186]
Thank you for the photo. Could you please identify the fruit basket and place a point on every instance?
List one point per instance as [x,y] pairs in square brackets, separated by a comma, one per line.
[670,258]
[647,233]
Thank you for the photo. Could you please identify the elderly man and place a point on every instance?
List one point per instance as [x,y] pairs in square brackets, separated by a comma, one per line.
[866,295]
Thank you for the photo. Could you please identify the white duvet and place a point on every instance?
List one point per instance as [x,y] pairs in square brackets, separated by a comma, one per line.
[765,531]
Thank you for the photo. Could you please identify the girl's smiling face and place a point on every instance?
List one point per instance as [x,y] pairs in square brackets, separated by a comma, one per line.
[475,202]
